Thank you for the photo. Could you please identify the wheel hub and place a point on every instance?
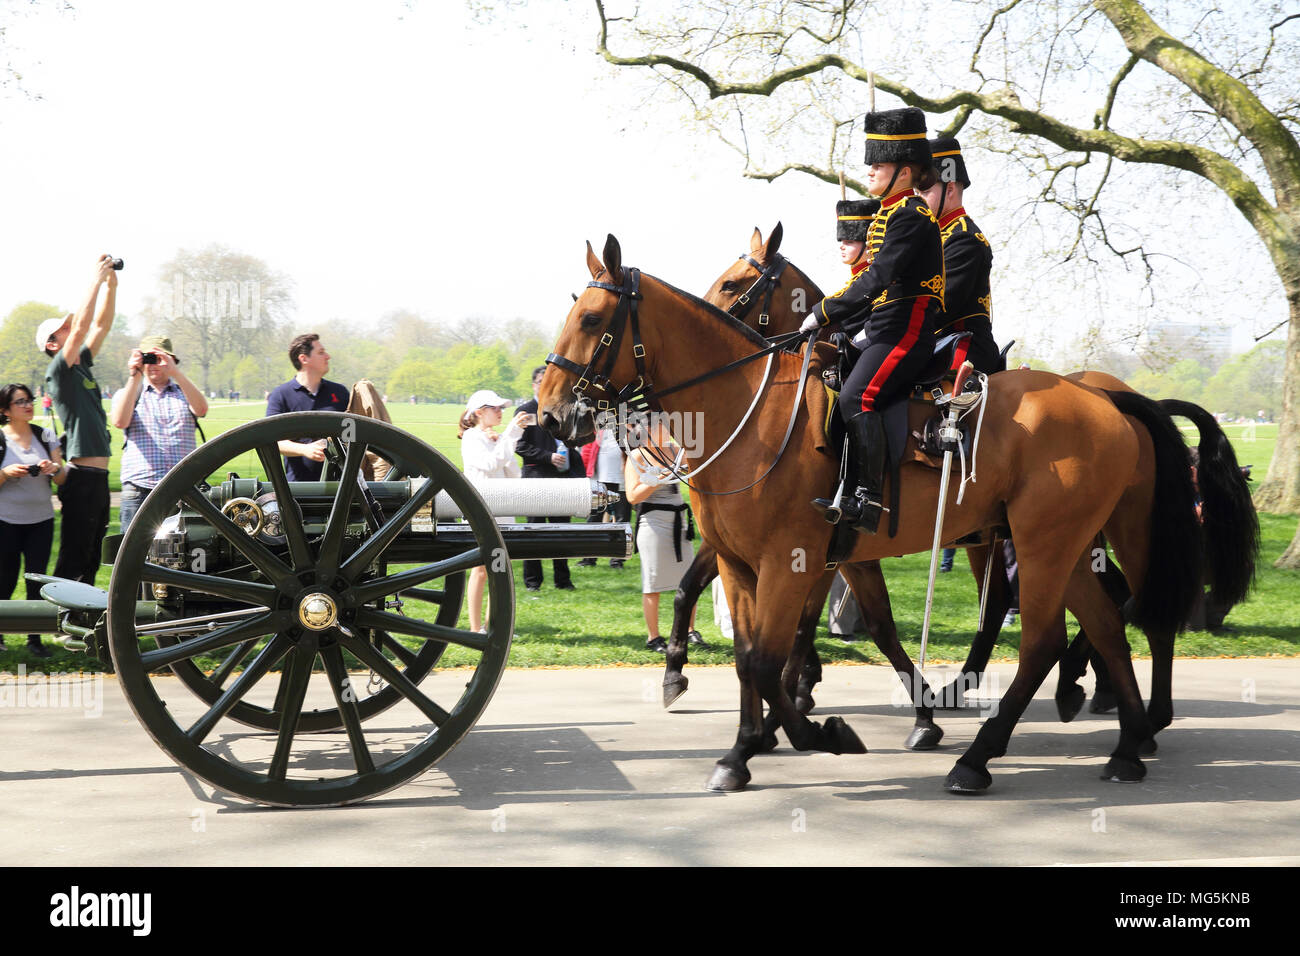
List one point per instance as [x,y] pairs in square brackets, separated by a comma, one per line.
[317,611]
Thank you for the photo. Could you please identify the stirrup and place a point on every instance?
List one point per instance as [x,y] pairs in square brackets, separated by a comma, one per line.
[829,509]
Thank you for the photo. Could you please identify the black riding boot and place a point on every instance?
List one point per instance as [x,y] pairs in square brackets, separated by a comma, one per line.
[867,449]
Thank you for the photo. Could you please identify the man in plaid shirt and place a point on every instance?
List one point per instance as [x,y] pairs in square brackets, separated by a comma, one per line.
[158,408]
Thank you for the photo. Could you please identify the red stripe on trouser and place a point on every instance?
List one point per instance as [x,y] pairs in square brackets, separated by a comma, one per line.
[959,354]
[896,354]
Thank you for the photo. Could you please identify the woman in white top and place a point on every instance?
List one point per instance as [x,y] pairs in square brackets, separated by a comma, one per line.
[486,455]
[29,461]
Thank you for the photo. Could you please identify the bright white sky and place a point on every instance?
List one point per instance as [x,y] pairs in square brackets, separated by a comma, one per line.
[382,156]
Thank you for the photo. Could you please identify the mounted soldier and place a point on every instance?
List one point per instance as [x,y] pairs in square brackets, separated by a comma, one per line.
[967,260]
[891,308]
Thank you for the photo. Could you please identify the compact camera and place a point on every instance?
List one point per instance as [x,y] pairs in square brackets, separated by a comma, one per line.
[33,470]
[118,264]
[149,358]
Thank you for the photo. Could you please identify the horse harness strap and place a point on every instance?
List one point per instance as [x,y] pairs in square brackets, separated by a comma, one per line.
[625,316]
[765,285]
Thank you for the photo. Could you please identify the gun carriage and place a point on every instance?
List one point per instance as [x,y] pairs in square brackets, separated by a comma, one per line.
[227,561]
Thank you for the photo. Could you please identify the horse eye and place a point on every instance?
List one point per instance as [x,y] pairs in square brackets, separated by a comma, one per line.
[729,286]
[590,321]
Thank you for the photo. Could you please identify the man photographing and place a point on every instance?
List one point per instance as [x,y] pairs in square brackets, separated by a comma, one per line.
[158,409]
[71,343]
[307,391]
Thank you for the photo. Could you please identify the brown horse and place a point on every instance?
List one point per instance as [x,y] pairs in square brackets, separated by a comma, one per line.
[1059,460]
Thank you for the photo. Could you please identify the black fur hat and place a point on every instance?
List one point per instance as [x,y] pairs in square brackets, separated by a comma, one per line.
[853,217]
[897,136]
[949,166]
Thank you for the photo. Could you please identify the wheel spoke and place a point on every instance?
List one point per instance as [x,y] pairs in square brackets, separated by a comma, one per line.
[428,595]
[223,637]
[254,550]
[414,627]
[367,591]
[265,660]
[347,703]
[290,517]
[231,662]
[296,676]
[332,544]
[382,666]
[250,591]
[400,650]
[381,539]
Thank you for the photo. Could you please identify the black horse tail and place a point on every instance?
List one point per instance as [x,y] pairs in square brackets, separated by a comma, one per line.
[1227,513]
[1174,561]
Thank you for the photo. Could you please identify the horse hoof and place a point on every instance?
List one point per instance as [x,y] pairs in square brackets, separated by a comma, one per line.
[923,737]
[804,704]
[1103,702]
[727,779]
[840,738]
[1069,704]
[966,779]
[1148,747]
[674,689]
[1123,770]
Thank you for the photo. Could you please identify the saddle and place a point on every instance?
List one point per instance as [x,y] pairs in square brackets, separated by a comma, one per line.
[911,424]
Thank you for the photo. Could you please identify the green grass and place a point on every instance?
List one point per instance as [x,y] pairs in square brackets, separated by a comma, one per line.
[600,623]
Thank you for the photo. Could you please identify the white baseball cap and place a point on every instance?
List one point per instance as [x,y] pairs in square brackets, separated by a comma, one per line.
[48,328]
[483,398]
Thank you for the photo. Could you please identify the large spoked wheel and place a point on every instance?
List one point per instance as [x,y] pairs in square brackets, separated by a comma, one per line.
[321,594]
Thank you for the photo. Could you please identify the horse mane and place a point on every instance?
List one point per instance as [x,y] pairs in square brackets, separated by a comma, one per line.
[712,310]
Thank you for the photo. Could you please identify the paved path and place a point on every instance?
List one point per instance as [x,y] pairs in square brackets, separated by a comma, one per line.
[585,767]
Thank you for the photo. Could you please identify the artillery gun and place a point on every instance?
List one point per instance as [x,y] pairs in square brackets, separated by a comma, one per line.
[227,561]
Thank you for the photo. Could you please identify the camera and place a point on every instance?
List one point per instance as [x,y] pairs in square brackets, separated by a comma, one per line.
[33,470]
[149,358]
[118,264]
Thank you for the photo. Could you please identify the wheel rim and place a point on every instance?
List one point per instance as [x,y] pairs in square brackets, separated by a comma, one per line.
[343,570]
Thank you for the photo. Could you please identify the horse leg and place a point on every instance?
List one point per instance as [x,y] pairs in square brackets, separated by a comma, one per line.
[1073,665]
[796,674]
[998,603]
[731,772]
[697,577]
[868,584]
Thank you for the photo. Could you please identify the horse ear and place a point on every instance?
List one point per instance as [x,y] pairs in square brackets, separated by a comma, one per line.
[756,242]
[592,262]
[613,257]
[773,243]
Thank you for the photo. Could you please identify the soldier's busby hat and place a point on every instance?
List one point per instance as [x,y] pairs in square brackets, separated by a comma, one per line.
[853,218]
[949,166]
[897,136]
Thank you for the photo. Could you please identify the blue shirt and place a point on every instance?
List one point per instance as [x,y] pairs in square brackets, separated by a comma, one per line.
[293,396]
[161,433]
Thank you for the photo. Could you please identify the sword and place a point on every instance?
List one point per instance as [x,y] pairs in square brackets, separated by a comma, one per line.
[949,436]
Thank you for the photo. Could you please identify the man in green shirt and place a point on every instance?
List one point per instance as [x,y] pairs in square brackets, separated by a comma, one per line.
[71,343]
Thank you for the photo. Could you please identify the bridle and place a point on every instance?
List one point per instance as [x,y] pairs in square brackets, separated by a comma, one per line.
[765,285]
[642,395]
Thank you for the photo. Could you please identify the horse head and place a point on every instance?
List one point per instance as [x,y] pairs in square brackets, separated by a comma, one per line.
[762,283]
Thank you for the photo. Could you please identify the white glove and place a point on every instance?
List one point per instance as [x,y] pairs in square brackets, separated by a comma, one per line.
[809,324]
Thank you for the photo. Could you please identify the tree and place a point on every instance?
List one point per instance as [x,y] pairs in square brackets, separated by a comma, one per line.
[214,302]
[1249,383]
[1227,112]
[418,377]
[20,361]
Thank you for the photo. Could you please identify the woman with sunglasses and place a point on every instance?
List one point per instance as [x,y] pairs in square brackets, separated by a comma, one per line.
[31,460]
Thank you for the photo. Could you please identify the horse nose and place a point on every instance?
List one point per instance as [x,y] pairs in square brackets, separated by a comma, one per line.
[548,421]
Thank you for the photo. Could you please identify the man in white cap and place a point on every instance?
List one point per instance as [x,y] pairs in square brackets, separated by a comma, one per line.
[71,344]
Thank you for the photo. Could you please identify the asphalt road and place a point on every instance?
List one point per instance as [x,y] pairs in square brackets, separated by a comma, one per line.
[585,767]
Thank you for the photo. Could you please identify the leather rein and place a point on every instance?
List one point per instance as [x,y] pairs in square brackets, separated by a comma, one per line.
[642,395]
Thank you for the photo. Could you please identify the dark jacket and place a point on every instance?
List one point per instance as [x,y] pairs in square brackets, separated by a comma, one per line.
[538,445]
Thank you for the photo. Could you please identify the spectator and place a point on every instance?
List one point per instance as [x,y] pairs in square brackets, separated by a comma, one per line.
[487,455]
[604,460]
[307,391]
[26,514]
[158,408]
[546,457]
[47,404]
[663,530]
[71,344]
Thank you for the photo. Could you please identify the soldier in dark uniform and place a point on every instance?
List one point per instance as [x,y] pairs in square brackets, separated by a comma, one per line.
[852,221]
[891,307]
[967,260]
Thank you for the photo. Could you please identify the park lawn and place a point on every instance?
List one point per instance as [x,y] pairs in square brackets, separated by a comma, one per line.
[600,623]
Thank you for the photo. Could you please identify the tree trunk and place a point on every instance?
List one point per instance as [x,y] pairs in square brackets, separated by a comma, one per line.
[1280,491]
[1291,556]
